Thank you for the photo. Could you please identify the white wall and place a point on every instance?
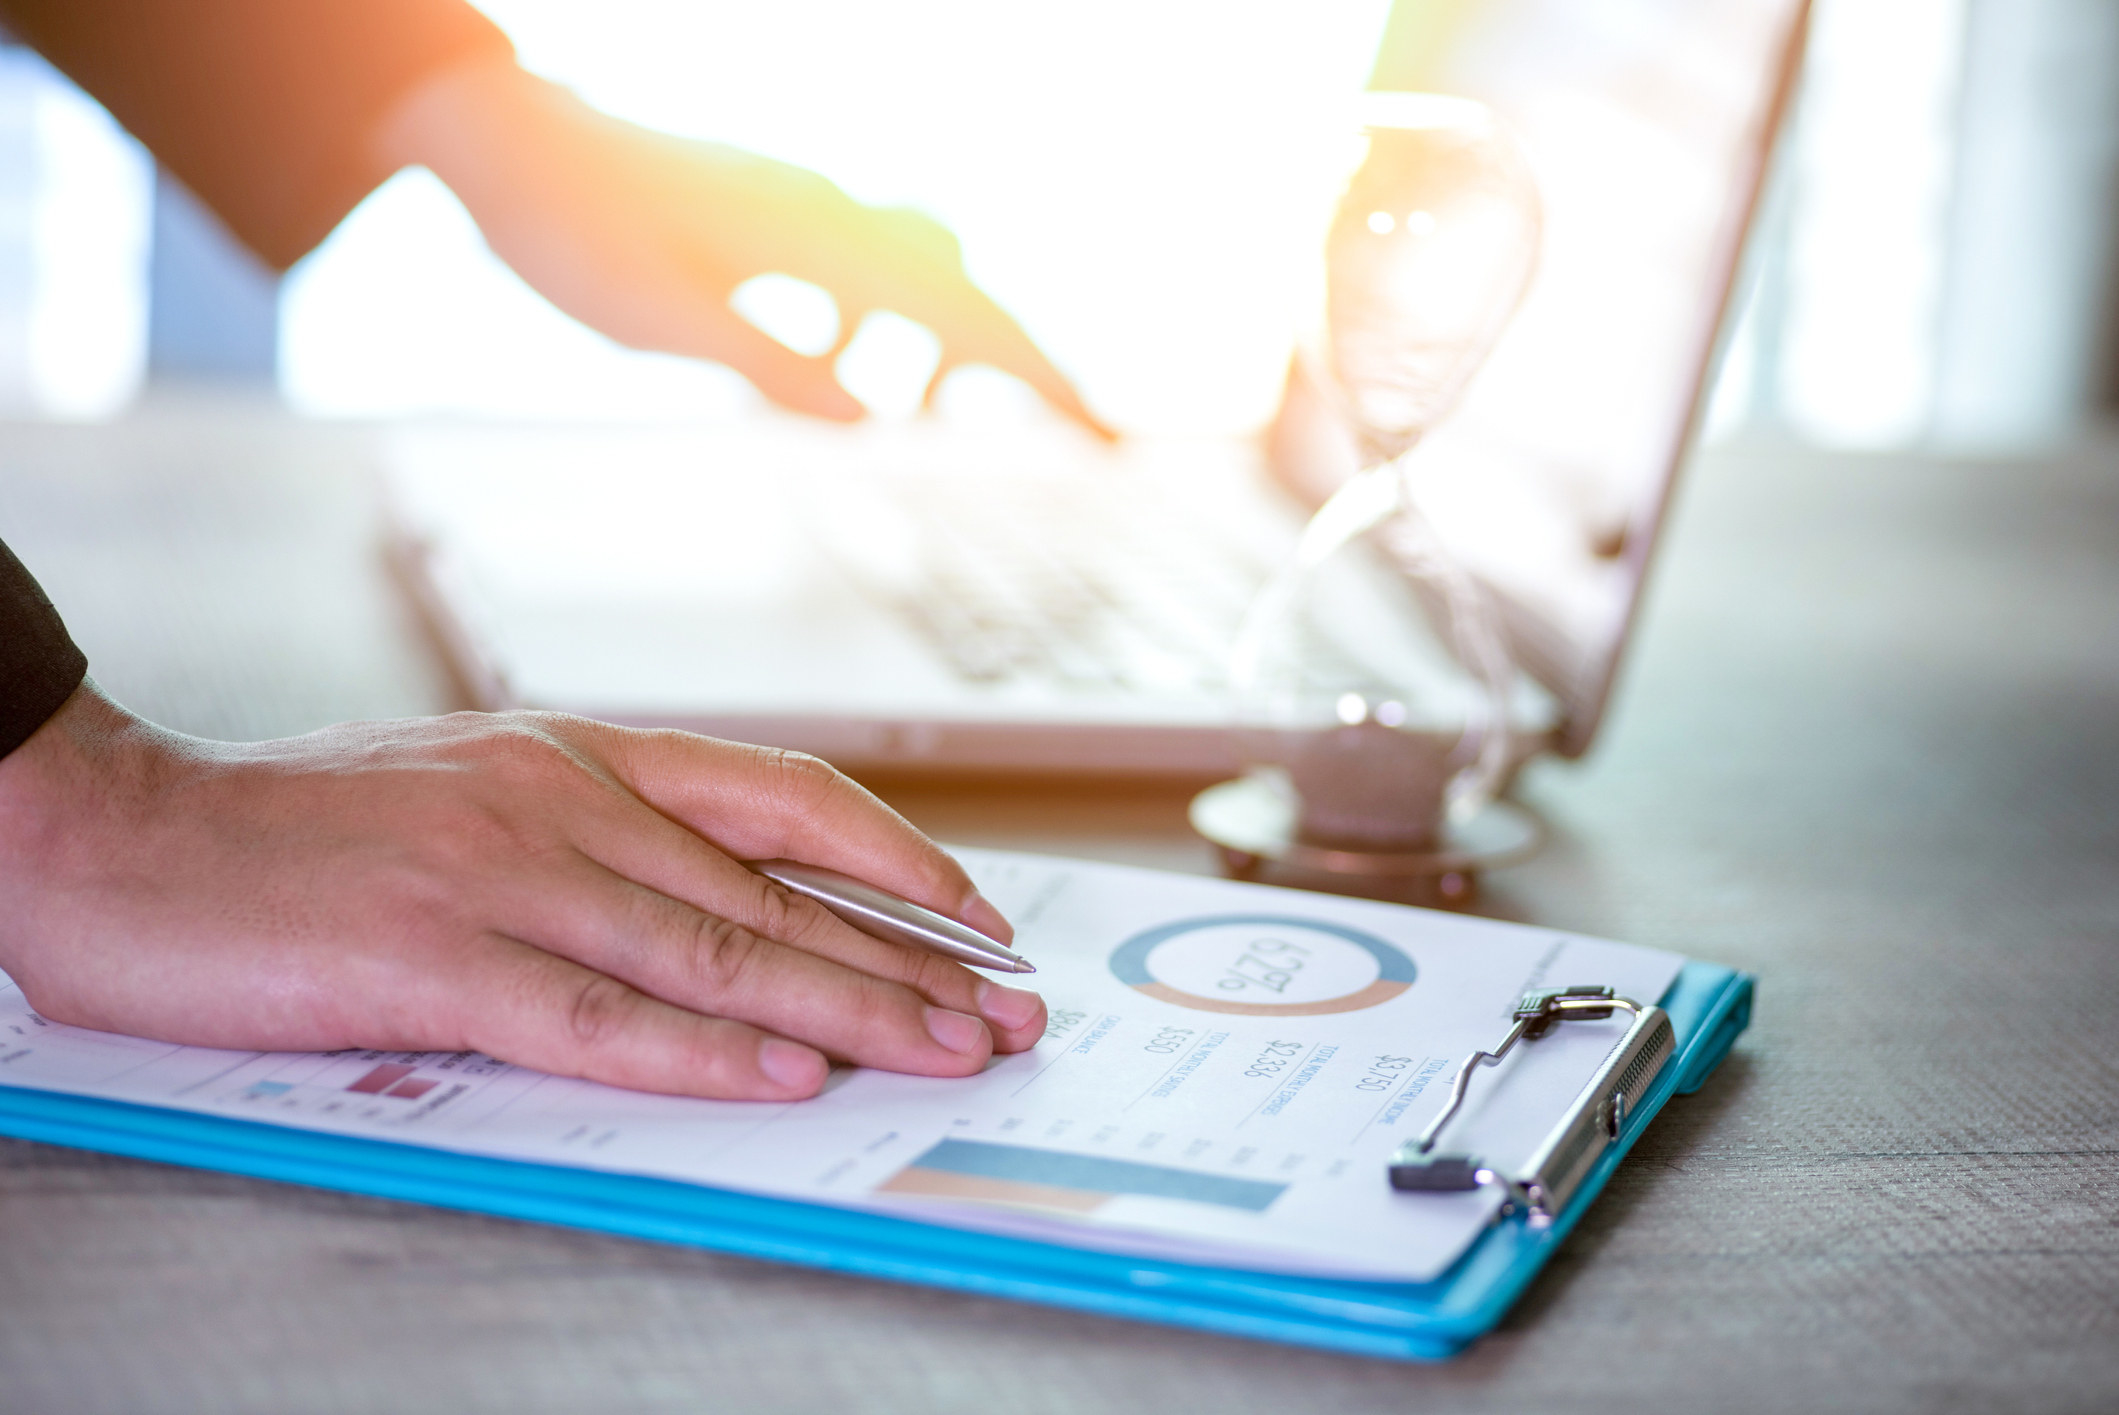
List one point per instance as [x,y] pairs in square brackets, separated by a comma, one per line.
[1935,267]
[2031,228]
[74,213]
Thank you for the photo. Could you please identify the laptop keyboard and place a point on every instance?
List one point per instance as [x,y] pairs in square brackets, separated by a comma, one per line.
[1086,582]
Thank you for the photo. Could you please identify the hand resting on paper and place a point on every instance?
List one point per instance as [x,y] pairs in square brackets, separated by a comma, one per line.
[548,890]
[645,236]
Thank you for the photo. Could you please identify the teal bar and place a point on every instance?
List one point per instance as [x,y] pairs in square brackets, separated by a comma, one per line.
[1097,1175]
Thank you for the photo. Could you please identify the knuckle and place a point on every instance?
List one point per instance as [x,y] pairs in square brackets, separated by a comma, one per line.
[530,750]
[476,834]
[790,918]
[775,910]
[934,977]
[598,1011]
[668,742]
[725,957]
[801,775]
[881,1006]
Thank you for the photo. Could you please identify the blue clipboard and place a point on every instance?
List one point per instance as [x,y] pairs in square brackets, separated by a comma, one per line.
[1708,1006]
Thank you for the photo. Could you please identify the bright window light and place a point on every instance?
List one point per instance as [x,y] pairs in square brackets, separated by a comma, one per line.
[403,310]
[1869,226]
[889,364]
[800,315]
[74,247]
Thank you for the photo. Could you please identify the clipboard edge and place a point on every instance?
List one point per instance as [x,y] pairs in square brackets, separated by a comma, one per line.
[1710,1005]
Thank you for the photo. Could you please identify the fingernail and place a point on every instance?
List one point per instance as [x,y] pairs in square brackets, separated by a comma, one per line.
[791,1064]
[979,912]
[1008,1007]
[956,1030]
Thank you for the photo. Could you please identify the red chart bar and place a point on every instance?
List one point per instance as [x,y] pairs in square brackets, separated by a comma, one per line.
[412,1090]
[381,1079]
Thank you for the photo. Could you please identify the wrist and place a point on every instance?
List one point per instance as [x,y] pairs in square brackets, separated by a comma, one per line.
[61,791]
[469,124]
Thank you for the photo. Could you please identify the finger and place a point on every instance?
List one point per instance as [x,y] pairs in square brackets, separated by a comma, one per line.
[850,317]
[635,845]
[795,381]
[530,1007]
[913,264]
[705,963]
[975,330]
[760,803]
[932,394]
[699,324]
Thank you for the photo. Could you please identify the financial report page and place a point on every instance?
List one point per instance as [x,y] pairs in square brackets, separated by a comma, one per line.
[1226,1071]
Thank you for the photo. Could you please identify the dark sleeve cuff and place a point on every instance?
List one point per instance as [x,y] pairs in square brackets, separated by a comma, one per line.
[265,108]
[39,665]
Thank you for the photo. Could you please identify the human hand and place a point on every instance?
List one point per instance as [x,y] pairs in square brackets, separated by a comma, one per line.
[645,236]
[545,889]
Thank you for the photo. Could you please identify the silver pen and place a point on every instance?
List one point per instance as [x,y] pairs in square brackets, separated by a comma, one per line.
[881,914]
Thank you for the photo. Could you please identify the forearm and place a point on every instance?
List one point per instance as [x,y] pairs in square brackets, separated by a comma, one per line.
[513,148]
[484,125]
[263,107]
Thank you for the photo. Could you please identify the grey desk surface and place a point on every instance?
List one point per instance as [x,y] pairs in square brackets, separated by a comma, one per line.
[1868,748]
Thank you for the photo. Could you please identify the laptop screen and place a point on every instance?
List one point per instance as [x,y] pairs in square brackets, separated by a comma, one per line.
[1646,125]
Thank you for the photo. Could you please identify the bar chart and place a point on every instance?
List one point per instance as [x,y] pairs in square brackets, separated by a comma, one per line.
[1071,1183]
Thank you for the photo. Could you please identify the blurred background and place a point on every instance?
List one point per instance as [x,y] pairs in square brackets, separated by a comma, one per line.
[1146,187]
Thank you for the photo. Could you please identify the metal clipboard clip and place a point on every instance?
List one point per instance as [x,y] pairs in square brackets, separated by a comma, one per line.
[1593,1121]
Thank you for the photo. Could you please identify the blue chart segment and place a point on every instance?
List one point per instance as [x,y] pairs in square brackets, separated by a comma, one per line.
[1047,1179]
[1263,965]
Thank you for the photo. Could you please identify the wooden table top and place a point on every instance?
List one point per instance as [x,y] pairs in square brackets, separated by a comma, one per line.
[1867,747]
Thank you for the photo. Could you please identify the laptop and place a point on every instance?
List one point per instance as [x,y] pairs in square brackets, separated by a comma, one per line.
[941,596]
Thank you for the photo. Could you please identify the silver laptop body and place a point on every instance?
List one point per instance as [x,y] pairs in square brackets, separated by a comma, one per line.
[929,597]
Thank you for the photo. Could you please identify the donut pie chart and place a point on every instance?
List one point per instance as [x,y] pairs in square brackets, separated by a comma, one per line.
[1133,964]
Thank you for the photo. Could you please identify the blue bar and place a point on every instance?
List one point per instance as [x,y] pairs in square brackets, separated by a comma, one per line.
[1097,1175]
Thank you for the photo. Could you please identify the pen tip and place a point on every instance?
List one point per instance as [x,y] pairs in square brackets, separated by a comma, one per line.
[1024,965]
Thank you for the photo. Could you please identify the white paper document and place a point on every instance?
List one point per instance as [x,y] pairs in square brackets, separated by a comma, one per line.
[1227,1070]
